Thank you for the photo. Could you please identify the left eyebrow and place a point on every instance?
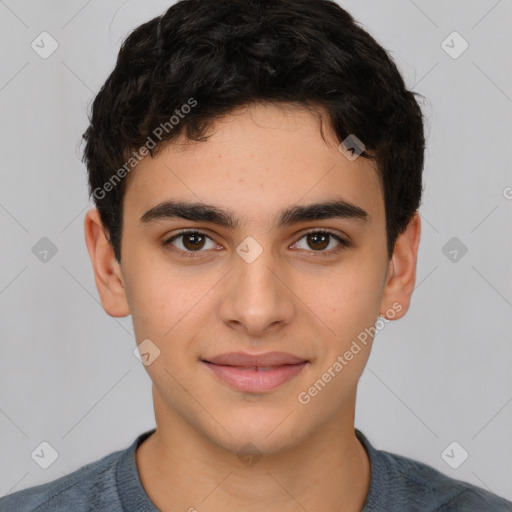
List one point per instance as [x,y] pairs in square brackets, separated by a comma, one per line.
[201,212]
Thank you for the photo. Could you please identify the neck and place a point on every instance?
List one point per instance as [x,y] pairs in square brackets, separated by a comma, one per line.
[182,470]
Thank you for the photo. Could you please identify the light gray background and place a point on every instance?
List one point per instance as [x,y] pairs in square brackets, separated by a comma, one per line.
[68,375]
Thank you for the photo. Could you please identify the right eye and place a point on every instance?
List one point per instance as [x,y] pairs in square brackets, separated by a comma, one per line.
[192,241]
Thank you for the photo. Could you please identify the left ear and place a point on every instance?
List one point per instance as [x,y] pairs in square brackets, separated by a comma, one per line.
[402,271]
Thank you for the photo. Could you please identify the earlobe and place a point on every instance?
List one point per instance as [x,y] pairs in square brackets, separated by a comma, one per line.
[107,272]
[402,271]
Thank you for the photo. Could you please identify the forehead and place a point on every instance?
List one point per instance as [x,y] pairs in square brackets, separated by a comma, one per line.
[256,161]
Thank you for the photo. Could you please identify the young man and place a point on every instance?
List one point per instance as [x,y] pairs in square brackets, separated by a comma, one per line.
[257,171]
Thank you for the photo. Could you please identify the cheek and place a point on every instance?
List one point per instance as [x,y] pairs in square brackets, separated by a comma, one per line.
[166,305]
[353,298]
[351,312]
[350,309]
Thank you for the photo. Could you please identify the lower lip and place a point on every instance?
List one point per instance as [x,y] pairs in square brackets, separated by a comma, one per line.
[249,380]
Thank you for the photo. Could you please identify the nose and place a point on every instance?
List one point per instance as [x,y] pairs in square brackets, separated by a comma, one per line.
[255,297]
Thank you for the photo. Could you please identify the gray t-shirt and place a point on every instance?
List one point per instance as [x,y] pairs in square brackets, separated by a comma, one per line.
[112,484]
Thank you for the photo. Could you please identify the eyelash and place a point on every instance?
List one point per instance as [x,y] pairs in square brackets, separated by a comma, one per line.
[343,244]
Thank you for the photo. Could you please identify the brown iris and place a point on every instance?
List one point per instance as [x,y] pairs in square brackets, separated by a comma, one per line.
[197,241]
[316,237]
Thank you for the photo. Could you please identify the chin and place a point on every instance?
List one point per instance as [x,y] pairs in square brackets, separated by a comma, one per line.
[266,433]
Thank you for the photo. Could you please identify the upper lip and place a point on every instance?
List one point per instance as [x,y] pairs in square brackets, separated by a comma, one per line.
[248,360]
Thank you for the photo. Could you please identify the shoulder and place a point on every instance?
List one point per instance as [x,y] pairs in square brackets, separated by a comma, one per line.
[423,483]
[420,484]
[91,487]
[401,483]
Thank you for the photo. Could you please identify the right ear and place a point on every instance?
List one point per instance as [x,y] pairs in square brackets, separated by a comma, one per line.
[107,271]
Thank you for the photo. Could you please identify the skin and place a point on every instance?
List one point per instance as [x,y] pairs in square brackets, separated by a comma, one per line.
[256,163]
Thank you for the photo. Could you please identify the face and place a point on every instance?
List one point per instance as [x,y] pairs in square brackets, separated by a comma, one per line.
[261,269]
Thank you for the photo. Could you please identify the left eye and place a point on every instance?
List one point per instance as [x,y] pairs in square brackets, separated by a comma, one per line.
[318,241]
